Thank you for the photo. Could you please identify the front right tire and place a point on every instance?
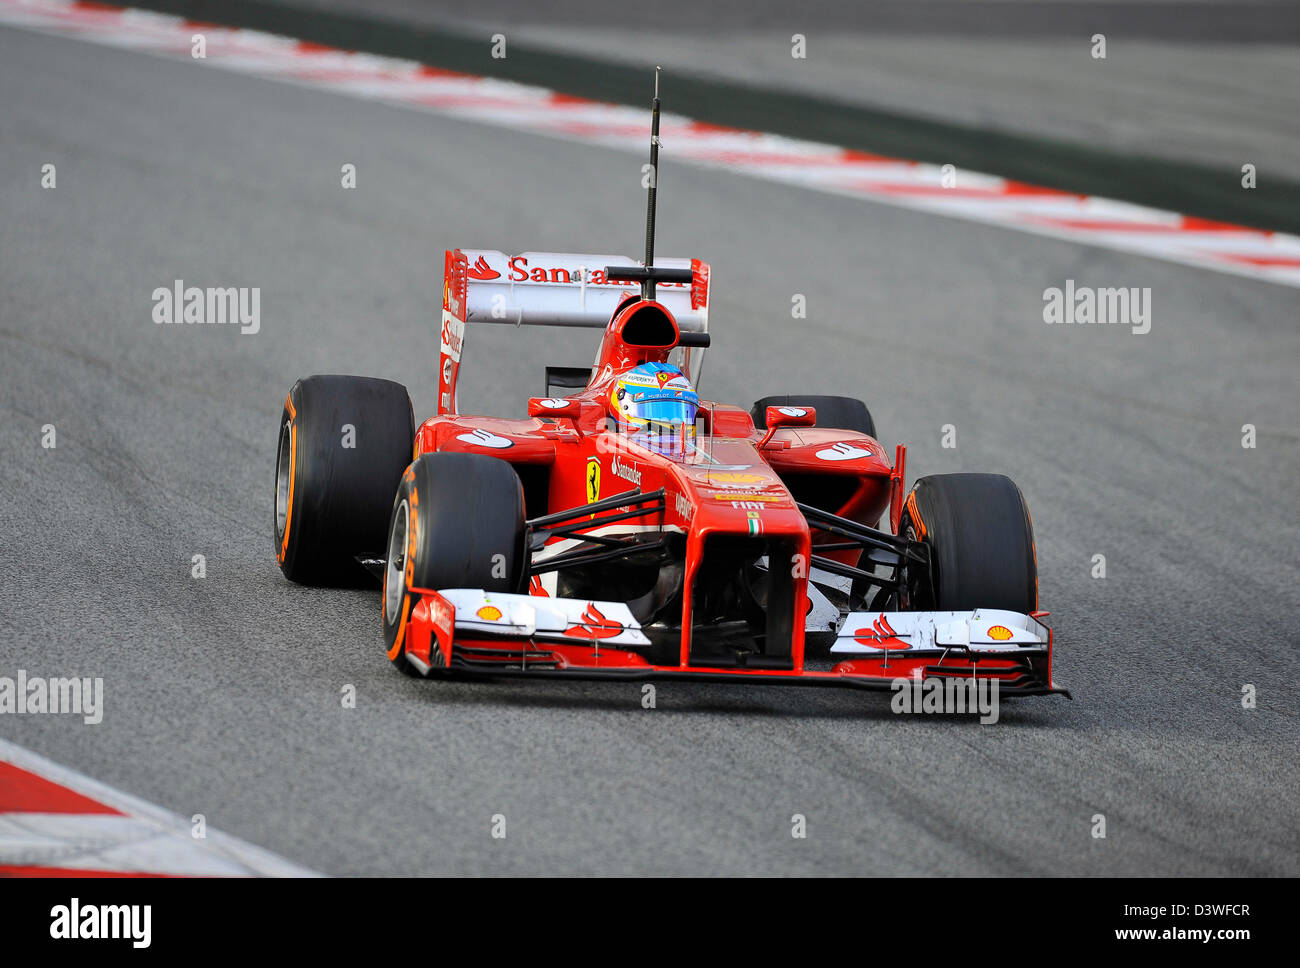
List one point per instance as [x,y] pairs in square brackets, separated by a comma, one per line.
[457,522]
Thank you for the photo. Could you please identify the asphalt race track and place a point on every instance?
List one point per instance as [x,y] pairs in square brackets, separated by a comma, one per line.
[223,693]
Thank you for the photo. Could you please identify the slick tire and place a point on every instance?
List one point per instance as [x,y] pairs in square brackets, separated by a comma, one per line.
[344,441]
[457,522]
[981,544]
[839,413]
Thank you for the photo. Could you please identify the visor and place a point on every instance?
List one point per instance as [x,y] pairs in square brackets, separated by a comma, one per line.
[673,410]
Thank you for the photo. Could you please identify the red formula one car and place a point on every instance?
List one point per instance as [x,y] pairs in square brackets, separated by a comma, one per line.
[631,530]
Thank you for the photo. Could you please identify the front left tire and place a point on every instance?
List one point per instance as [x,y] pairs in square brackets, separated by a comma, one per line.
[981,544]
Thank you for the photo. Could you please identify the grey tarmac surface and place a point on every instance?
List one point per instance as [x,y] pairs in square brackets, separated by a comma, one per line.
[223,694]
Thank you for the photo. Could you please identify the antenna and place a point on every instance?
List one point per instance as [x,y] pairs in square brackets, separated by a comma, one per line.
[648,284]
[649,274]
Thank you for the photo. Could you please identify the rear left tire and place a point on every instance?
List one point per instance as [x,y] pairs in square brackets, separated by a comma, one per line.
[344,441]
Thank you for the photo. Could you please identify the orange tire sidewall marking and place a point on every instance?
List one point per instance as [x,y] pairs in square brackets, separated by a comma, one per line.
[910,506]
[293,462]
[399,643]
[412,523]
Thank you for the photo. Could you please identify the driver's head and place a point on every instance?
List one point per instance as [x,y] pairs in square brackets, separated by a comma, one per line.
[655,406]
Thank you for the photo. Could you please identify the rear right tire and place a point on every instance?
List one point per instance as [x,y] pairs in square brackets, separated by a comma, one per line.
[838,413]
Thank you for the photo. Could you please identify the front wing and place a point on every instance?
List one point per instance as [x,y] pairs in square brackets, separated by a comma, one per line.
[469,630]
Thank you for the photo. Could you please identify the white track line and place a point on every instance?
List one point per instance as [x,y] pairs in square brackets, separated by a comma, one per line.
[126,836]
[1270,256]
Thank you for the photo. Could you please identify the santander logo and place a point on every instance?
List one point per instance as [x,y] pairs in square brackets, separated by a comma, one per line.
[881,635]
[453,336]
[482,271]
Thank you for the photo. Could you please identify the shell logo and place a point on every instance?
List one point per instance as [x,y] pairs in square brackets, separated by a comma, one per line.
[489,613]
[731,477]
[999,633]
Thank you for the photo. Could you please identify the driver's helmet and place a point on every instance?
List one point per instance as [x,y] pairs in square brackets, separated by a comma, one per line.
[655,406]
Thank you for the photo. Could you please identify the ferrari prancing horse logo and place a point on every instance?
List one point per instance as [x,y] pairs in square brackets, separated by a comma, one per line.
[593,479]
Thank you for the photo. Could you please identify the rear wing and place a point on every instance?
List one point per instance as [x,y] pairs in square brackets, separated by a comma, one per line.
[549,289]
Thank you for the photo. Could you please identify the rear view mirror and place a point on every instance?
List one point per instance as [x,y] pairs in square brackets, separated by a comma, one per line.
[791,417]
[550,407]
[779,417]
